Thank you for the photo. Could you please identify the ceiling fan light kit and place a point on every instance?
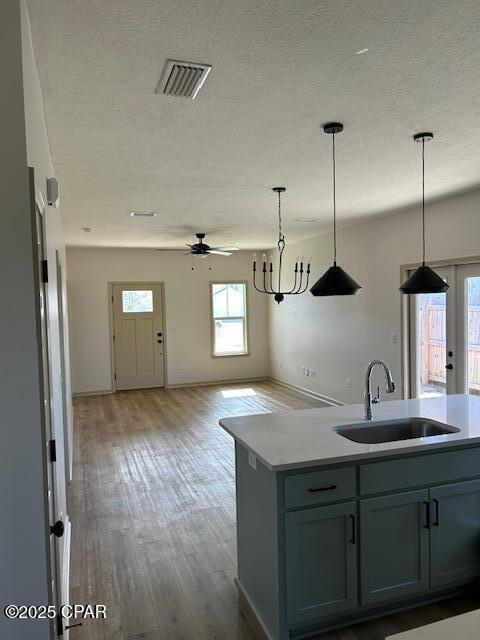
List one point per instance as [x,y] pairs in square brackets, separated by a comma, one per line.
[299,286]
[202,249]
[424,279]
[335,281]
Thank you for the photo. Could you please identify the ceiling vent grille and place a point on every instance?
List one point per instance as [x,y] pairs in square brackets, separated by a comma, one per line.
[182,79]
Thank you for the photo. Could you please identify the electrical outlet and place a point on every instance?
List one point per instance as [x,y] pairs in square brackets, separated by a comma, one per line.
[348,383]
[313,373]
[280,364]
[182,366]
[394,338]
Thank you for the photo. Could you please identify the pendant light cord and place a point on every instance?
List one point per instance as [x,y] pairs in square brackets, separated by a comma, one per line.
[334,204]
[281,240]
[423,198]
[280,234]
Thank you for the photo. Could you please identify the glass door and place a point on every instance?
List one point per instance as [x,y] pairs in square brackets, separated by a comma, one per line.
[445,335]
[432,335]
[468,324]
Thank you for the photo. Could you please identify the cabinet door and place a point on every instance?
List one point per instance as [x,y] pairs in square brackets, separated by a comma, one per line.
[321,561]
[455,533]
[394,542]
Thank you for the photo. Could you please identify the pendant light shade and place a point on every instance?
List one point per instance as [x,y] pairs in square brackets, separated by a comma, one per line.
[424,279]
[335,281]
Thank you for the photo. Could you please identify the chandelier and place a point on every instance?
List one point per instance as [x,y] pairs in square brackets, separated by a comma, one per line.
[299,285]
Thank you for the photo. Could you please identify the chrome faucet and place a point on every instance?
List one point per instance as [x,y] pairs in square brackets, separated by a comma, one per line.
[390,386]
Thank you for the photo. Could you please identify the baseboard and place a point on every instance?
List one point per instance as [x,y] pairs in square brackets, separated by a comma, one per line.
[101,392]
[313,394]
[211,383]
[253,609]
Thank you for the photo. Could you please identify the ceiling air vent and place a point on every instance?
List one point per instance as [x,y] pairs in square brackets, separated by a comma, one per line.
[182,79]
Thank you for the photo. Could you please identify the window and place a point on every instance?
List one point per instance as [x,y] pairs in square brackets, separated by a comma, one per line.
[137,301]
[229,319]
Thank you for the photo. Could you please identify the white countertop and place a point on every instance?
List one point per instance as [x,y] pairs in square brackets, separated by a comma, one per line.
[463,627]
[305,438]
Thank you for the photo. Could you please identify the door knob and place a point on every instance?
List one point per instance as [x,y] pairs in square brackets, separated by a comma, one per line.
[57,529]
[449,366]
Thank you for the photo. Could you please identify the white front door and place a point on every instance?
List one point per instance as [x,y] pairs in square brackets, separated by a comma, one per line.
[138,335]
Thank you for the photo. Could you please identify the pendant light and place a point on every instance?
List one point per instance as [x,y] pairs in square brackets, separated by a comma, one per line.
[299,284]
[424,279]
[335,281]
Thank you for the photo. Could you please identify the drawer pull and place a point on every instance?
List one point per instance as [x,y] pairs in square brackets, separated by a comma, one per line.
[329,488]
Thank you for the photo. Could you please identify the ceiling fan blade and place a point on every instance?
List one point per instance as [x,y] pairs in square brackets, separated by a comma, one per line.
[217,252]
[226,248]
[189,245]
[187,253]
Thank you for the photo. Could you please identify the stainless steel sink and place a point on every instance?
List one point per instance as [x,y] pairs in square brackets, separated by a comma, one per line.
[391,430]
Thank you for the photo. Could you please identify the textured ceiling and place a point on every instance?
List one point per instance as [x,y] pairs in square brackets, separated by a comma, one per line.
[280,69]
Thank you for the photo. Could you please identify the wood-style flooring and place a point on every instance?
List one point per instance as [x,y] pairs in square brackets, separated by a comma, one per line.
[152,505]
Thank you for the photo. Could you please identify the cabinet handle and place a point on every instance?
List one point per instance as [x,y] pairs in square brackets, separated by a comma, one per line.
[332,486]
[426,524]
[353,539]
[437,510]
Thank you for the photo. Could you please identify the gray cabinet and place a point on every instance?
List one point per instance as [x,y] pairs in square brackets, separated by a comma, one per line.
[321,564]
[455,533]
[394,539]
[325,546]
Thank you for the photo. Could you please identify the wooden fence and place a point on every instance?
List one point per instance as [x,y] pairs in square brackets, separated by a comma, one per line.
[433,330]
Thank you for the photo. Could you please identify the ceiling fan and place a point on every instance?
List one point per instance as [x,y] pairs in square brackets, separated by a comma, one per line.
[202,249]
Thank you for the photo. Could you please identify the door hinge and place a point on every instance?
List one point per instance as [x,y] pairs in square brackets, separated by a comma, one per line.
[112,298]
[115,376]
[53,451]
[44,270]
[114,337]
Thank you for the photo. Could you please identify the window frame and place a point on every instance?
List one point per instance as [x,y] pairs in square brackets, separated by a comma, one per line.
[246,341]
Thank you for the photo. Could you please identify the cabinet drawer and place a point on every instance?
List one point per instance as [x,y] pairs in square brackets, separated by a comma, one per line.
[319,487]
[406,473]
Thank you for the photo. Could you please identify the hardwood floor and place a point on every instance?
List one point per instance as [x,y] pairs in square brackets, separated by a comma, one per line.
[152,505]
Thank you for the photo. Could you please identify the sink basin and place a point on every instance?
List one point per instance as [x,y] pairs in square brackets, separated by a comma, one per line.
[375,432]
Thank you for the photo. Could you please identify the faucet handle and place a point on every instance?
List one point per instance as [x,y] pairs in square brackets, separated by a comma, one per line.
[376,399]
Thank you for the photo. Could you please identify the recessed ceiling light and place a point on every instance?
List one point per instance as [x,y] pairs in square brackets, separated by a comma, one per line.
[305,219]
[87,229]
[143,214]
[359,53]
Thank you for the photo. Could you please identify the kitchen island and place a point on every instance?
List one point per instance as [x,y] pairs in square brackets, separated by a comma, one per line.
[332,531]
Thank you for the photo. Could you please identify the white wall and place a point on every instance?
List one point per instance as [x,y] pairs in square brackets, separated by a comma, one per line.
[187,308]
[24,570]
[338,336]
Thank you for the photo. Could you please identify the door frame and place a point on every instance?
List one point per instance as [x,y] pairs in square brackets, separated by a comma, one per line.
[407,335]
[135,283]
[52,551]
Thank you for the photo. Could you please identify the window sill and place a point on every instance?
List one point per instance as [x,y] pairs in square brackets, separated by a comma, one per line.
[229,355]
